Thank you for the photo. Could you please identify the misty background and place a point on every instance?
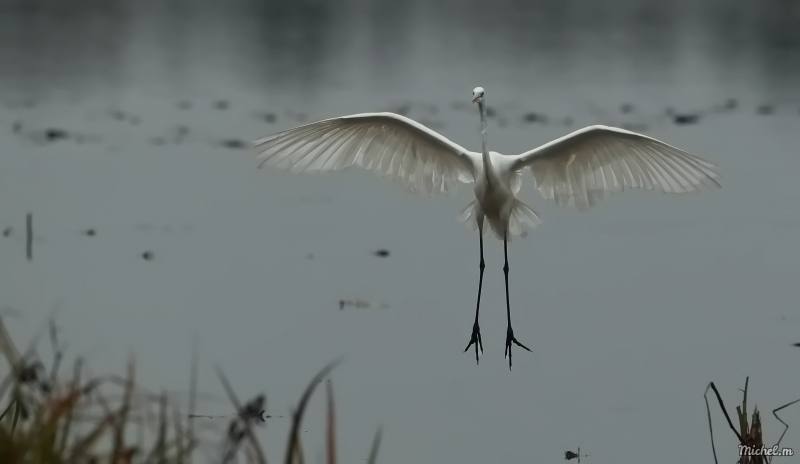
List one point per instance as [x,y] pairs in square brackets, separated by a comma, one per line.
[133,119]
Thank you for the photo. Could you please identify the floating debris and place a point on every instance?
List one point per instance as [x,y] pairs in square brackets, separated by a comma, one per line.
[360,304]
[626,108]
[796,344]
[254,409]
[267,117]
[569,455]
[685,119]
[184,105]
[147,255]
[17,127]
[731,104]
[765,110]
[118,115]
[29,235]
[180,133]
[535,117]
[158,140]
[55,134]
[235,144]
[7,231]
[490,112]
[382,253]
[221,105]
[90,232]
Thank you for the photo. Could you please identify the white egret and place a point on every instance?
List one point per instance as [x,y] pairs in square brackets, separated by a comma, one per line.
[580,168]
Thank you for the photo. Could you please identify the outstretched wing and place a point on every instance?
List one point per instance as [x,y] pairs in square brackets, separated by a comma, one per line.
[387,143]
[585,165]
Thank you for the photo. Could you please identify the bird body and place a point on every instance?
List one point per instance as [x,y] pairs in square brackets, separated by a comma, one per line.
[579,168]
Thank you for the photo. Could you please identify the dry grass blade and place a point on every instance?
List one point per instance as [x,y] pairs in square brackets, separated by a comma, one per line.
[785,425]
[376,443]
[119,427]
[724,411]
[45,419]
[750,433]
[248,428]
[331,436]
[297,417]
[70,412]
[192,393]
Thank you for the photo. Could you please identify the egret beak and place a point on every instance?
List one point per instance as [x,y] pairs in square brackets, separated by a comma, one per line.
[476,98]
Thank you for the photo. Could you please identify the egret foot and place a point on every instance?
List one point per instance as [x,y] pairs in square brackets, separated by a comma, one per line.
[509,340]
[476,340]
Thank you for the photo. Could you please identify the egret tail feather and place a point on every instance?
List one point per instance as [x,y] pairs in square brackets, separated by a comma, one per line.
[523,218]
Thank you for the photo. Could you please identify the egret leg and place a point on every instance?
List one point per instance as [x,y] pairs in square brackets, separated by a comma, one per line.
[476,329]
[510,332]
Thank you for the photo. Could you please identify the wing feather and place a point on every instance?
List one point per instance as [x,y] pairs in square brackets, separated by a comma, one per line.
[390,144]
[582,167]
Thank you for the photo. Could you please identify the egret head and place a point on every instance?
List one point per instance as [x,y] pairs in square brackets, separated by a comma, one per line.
[477,94]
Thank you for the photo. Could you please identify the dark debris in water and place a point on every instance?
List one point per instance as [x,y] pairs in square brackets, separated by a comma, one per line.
[180,133]
[147,255]
[381,253]
[490,112]
[7,231]
[90,232]
[55,134]
[158,140]
[765,110]
[686,119]
[360,304]
[221,105]
[626,108]
[120,115]
[234,144]
[570,455]
[731,104]
[17,127]
[535,117]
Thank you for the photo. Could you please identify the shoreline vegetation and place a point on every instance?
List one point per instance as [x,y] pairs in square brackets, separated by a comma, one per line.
[49,417]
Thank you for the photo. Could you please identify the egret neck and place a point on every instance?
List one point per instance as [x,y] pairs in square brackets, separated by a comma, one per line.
[487,163]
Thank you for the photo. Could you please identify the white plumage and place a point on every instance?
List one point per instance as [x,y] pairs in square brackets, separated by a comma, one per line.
[580,168]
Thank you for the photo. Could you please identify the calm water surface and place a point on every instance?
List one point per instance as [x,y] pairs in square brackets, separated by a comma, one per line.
[630,309]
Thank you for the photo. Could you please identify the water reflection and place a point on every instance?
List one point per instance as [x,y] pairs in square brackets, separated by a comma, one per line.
[80,44]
